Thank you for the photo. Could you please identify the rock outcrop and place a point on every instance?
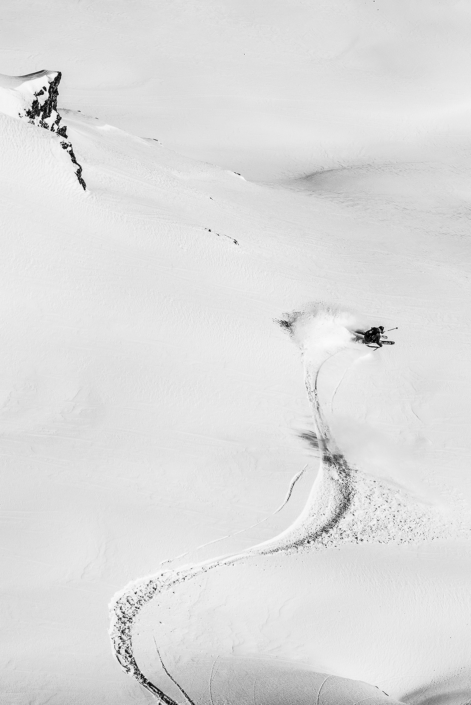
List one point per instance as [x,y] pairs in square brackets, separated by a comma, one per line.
[34,98]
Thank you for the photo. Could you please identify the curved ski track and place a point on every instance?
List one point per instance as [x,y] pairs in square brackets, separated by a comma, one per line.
[334,492]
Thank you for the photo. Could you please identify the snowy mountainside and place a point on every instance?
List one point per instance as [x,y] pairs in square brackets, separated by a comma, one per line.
[128,350]
[152,410]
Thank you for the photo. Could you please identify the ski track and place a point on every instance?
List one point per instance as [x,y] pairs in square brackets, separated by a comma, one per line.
[164,667]
[329,519]
[292,485]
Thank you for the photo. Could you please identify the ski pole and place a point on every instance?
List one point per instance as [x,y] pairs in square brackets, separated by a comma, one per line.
[396,328]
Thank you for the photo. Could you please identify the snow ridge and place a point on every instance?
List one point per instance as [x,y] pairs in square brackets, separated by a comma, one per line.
[345,506]
[33,97]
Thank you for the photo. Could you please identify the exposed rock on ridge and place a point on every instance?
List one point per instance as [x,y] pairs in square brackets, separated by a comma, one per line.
[34,97]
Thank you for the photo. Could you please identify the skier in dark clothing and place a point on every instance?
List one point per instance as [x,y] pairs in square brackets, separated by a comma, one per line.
[374,336]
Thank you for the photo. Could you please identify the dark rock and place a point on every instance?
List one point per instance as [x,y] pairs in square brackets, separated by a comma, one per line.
[44,113]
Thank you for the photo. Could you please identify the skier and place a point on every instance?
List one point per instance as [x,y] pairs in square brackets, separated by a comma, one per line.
[374,336]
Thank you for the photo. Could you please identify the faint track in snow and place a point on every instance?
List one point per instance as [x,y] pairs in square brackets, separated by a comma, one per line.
[292,485]
[182,691]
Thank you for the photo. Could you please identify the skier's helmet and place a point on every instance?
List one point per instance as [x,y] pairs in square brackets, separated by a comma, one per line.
[381,329]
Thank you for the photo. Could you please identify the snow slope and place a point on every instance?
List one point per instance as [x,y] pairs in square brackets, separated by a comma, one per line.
[265,604]
[151,405]
[296,508]
[266,87]
[105,294]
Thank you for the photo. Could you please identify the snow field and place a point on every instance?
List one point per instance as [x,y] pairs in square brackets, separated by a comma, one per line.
[153,413]
[132,340]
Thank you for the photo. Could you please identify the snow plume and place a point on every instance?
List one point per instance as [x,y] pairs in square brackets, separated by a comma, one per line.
[320,330]
[34,98]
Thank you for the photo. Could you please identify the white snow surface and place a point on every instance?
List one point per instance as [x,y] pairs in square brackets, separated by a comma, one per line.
[269,513]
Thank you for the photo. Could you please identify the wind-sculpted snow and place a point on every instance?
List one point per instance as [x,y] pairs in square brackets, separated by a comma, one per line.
[345,506]
[34,98]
